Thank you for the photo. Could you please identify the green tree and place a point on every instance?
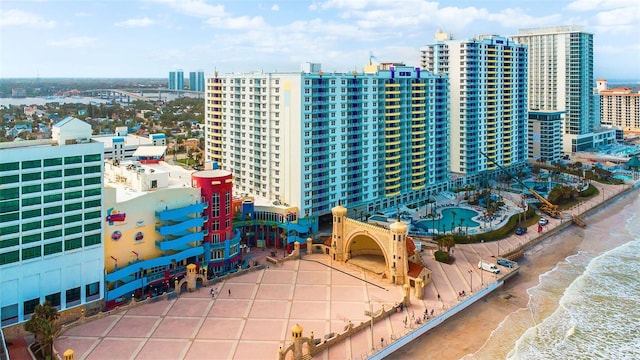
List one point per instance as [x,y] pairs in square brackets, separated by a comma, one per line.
[45,327]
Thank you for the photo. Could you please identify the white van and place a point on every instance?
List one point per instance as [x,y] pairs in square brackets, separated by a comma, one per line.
[487,266]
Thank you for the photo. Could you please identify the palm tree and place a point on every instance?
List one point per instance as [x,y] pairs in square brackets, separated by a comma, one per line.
[44,325]
[453,221]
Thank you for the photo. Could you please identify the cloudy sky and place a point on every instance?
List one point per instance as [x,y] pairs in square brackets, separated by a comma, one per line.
[149,38]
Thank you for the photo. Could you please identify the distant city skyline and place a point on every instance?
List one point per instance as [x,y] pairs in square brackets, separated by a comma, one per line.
[149,38]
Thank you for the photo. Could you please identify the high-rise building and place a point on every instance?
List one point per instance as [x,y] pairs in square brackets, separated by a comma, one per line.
[196,80]
[619,107]
[545,136]
[51,222]
[561,75]
[176,80]
[372,140]
[488,83]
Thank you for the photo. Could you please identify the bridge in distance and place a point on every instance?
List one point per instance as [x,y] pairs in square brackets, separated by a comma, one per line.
[152,95]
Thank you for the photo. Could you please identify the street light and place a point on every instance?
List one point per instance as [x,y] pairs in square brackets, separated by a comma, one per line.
[471,280]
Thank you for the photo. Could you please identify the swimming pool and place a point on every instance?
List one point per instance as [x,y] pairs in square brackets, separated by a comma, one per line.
[447,222]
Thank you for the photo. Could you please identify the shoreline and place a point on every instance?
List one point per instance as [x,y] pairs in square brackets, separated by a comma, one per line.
[474,326]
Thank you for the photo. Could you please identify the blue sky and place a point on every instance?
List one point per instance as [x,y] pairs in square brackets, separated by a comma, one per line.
[149,38]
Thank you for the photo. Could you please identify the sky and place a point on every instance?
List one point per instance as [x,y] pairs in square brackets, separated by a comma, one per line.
[149,38]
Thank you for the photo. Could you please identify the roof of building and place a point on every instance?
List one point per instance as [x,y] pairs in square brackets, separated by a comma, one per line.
[414,269]
[150,151]
[411,246]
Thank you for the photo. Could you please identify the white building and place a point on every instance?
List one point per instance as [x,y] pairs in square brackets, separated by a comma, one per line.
[51,222]
[561,75]
[488,82]
[619,107]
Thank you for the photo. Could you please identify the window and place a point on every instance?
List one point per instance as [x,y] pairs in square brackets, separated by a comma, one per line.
[53,248]
[31,253]
[53,299]
[72,171]
[9,257]
[31,213]
[30,306]
[92,169]
[31,189]
[92,203]
[52,186]
[9,206]
[73,295]
[31,164]
[73,183]
[72,218]
[72,160]
[92,157]
[93,192]
[53,210]
[31,201]
[72,244]
[92,239]
[5,243]
[53,162]
[9,179]
[31,226]
[52,234]
[92,215]
[92,226]
[9,166]
[9,314]
[31,176]
[73,195]
[73,230]
[92,290]
[93,181]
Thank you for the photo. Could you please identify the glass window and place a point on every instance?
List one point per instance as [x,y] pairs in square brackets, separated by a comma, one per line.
[73,295]
[52,222]
[31,253]
[31,189]
[5,243]
[92,157]
[52,234]
[73,160]
[9,166]
[31,201]
[26,239]
[31,226]
[30,306]
[53,162]
[9,179]
[9,206]
[53,186]
[9,257]
[52,174]
[52,198]
[53,210]
[94,239]
[53,248]
[92,192]
[72,244]
[73,195]
[92,169]
[73,183]
[92,203]
[72,207]
[92,226]
[93,181]
[53,299]
[73,230]
[9,193]
[31,213]
[92,289]
[9,314]
[72,218]
[31,176]
[72,171]
[92,215]
[31,164]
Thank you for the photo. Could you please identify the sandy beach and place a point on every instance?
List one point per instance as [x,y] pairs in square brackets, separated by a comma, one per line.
[465,334]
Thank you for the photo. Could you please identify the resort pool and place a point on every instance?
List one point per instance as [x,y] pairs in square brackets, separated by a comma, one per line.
[623,177]
[446,222]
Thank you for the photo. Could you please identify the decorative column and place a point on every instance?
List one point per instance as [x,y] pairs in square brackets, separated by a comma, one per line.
[191,277]
[419,291]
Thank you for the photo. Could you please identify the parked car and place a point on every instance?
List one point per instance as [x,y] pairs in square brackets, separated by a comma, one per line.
[505,263]
[543,221]
[487,266]
[521,231]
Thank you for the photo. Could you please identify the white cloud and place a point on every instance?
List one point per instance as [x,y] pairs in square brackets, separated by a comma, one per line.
[75,42]
[588,5]
[520,18]
[195,8]
[15,17]
[275,7]
[141,22]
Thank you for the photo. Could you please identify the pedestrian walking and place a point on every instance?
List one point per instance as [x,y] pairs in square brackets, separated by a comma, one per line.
[432,312]
[229,292]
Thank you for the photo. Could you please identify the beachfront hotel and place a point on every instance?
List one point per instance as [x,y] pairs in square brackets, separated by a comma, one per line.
[51,226]
[561,78]
[373,139]
[488,98]
[619,107]
[545,136]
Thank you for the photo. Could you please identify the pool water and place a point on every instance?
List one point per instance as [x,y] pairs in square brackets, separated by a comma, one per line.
[462,218]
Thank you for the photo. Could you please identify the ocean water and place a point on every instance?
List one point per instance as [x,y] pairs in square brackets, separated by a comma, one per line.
[587,306]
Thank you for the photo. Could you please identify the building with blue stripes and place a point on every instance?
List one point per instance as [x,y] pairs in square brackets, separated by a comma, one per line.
[373,139]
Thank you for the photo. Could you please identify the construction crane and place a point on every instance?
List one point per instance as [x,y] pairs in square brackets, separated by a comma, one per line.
[546,207]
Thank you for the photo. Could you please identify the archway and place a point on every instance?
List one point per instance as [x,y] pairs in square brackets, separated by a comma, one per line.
[365,252]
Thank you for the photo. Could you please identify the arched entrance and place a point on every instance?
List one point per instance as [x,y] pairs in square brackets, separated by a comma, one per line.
[365,252]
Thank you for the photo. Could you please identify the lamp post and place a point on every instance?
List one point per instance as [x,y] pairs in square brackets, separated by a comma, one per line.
[481,274]
[470,280]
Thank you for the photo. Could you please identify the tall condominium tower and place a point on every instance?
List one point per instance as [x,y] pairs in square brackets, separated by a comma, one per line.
[561,74]
[51,223]
[196,80]
[176,80]
[488,82]
[619,107]
[372,140]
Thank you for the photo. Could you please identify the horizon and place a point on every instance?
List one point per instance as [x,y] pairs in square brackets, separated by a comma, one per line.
[150,38]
